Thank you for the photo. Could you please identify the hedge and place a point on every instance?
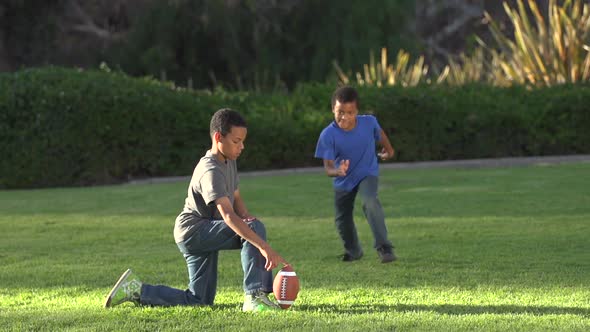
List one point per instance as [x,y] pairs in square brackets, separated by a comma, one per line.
[68,127]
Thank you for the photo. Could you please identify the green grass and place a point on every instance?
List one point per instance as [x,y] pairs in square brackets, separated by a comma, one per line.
[479,249]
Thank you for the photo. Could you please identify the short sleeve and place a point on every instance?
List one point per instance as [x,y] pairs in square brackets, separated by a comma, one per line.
[213,186]
[325,147]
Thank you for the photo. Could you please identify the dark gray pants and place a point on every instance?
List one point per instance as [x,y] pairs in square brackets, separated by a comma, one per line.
[344,205]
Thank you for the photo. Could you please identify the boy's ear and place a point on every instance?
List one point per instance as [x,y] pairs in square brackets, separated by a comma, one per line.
[217,136]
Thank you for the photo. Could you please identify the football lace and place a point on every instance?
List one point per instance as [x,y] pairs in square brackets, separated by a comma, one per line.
[283,288]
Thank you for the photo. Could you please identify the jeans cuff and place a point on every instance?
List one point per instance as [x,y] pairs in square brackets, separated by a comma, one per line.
[256,289]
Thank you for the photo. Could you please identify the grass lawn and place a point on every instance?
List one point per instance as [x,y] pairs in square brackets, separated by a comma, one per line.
[479,249]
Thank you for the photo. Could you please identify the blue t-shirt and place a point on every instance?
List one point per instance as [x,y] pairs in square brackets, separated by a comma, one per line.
[356,145]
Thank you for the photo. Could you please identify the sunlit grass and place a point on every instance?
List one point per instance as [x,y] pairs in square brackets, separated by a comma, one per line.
[479,249]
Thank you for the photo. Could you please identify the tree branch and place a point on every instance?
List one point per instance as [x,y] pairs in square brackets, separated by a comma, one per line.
[465,13]
[85,23]
[468,13]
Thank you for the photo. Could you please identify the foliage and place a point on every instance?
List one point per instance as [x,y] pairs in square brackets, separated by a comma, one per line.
[540,51]
[468,68]
[28,29]
[256,45]
[74,127]
[478,121]
[71,127]
[493,249]
[553,51]
[382,73]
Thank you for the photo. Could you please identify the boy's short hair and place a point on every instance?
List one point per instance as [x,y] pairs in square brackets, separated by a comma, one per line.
[345,94]
[224,119]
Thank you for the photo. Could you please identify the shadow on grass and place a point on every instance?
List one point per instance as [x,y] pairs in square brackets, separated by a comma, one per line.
[450,309]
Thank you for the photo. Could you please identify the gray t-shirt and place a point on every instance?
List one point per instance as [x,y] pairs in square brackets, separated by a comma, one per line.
[211,180]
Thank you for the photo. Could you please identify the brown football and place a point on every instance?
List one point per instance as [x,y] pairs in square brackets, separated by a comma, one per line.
[286,287]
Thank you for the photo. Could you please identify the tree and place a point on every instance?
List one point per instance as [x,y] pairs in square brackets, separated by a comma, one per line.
[446,27]
[4,61]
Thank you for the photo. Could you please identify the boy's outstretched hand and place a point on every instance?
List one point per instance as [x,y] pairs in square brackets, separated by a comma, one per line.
[273,259]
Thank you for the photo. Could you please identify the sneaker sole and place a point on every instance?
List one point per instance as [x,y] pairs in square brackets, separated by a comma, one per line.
[261,308]
[109,298]
[389,260]
[352,259]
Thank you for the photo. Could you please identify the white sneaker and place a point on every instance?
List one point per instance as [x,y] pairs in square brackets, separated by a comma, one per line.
[127,288]
[258,302]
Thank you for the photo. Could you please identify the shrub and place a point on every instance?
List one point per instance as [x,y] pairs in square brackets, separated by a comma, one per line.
[68,127]
[64,127]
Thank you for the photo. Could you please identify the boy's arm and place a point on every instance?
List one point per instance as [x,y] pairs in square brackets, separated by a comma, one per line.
[239,227]
[387,152]
[240,207]
[334,171]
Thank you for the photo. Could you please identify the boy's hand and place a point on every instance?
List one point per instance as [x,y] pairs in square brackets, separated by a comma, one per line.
[273,259]
[384,154]
[343,168]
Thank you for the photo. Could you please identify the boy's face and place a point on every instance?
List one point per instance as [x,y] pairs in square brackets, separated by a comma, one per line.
[232,144]
[345,114]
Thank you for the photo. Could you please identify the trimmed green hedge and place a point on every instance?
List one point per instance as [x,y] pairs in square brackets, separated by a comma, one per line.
[63,127]
[476,121]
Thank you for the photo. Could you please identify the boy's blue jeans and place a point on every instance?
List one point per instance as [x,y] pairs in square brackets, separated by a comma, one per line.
[201,253]
[344,205]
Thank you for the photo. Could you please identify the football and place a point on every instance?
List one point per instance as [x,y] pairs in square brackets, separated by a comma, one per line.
[286,287]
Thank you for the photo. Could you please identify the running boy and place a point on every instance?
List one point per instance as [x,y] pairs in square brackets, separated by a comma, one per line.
[347,147]
[214,218]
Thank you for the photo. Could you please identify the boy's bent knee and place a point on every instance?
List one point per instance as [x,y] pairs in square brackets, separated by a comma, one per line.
[258,227]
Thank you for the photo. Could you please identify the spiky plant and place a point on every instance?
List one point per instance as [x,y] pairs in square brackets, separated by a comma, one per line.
[552,51]
[380,74]
[466,69]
